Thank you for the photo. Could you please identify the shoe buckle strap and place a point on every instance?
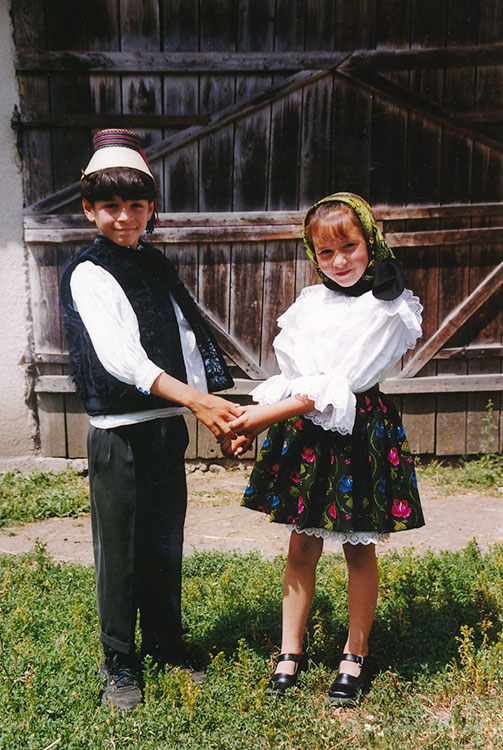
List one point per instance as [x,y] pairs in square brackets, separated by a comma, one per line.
[355,658]
[291,657]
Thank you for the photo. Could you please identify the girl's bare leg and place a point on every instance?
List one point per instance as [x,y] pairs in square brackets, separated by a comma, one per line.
[362,599]
[298,590]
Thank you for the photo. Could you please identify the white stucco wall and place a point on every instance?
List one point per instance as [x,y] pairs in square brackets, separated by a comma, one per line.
[17,425]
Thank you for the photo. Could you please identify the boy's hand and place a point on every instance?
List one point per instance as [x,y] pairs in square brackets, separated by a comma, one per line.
[216,413]
[213,411]
[253,420]
[234,448]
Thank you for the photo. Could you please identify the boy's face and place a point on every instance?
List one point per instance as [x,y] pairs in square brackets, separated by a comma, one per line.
[122,221]
[343,259]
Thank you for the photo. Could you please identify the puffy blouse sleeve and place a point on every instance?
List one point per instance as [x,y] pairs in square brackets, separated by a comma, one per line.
[330,348]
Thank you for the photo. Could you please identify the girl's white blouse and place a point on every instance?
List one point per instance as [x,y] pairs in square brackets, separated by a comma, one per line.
[332,346]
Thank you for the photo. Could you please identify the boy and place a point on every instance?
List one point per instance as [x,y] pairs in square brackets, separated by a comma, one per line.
[140,352]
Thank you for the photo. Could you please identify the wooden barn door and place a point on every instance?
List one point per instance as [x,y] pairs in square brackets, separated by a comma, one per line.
[249,111]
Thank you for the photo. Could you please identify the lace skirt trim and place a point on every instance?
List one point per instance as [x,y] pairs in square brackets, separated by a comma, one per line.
[345,537]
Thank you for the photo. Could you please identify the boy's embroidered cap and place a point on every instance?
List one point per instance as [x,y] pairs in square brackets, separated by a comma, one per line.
[117,148]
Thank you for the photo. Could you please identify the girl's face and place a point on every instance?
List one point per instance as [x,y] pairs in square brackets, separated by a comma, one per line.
[342,257]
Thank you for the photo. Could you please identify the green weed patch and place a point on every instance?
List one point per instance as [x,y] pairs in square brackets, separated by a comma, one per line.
[32,497]
[436,645]
[484,472]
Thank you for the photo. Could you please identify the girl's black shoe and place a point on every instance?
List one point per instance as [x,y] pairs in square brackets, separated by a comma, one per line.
[347,689]
[281,681]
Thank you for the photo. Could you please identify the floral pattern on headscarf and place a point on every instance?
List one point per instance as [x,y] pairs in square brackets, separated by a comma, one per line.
[381,257]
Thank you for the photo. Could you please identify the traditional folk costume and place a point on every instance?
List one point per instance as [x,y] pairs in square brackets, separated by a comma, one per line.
[129,318]
[343,471]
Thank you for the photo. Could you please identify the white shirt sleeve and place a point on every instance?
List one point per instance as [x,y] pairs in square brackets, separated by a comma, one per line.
[112,325]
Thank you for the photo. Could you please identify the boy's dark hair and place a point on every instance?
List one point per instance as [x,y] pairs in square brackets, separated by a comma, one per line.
[125,182]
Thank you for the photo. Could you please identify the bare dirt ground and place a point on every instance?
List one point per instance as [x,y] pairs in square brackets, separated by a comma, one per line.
[215,521]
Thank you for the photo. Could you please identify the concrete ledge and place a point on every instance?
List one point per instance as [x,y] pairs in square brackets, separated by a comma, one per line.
[38,464]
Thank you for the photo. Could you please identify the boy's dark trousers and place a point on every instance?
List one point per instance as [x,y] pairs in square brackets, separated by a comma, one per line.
[138,503]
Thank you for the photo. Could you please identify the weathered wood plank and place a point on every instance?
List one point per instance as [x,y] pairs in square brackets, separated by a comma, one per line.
[455,320]
[433,57]
[103,34]
[77,425]
[352,107]
[51,417]
[279,293]
[419,417]
[246,296]
[473,351]
[260,218]
[69,150]
[242,386]
[285,142]
[316,141]
[181,33]
[71,61]
[191,423]
[483,351]
[144,61]
[230,233]
[29,31]
[106,120]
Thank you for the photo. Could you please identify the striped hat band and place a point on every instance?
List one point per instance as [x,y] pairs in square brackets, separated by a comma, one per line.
[117,137]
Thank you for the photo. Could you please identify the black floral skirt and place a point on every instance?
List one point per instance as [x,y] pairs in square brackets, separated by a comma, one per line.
[314,478]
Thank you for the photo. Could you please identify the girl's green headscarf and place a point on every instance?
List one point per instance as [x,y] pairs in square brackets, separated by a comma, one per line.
[382,274]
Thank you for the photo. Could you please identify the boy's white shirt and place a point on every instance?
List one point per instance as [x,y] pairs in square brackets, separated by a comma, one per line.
[113,328]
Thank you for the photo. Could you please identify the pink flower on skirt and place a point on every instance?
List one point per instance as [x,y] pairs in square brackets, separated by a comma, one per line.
[384,408]
[299,423]
[308,455]
[368,403]
[393,457]
[401,509]
[332,511]
[301,505]
[295,477]
[274,470]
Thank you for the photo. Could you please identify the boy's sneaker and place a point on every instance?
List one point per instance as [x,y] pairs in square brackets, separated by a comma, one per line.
[122,688]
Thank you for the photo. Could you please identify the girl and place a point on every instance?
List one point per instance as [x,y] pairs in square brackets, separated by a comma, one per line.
[342,470]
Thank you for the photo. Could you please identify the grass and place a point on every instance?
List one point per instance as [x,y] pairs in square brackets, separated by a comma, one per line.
[437,644]
[483,472]
[33,497]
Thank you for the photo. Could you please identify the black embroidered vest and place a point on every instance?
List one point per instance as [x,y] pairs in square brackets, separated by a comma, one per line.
[148,279]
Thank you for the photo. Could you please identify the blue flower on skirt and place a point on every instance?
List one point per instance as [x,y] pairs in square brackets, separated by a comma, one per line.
[379,429]
[274,500]
[413,480]
[285,447]
[346,483]
[400,432]
[266,443]
[381,487]
[249,489]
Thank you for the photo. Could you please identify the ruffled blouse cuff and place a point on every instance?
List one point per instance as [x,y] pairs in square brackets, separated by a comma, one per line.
[334,403]
[274,389]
